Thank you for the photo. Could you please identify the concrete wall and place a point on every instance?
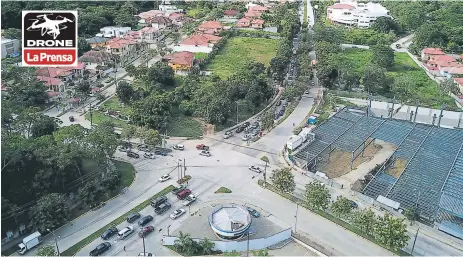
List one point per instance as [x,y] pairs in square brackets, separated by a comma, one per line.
[240,246]
[193,49]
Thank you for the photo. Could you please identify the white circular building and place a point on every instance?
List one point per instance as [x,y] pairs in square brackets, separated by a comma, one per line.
[230,222]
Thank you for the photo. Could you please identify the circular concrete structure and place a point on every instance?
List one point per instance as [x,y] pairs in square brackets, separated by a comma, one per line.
[230,222]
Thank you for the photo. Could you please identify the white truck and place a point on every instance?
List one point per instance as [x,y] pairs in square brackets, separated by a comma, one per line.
[294,142]
[306,133]
[189,200]
[30,242]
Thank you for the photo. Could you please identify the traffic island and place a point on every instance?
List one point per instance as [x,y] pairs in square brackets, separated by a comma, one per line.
[223,190]
[184,179]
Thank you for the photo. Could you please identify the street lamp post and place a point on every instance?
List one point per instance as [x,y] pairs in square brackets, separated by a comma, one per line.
[295,216]
[414,241]
[247,247]
[144,249]
[56,241]
[168,234]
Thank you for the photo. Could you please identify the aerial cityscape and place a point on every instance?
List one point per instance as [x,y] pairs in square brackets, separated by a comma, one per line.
[232,128]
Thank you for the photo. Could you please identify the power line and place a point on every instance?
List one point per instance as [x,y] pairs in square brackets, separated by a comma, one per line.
[247,147]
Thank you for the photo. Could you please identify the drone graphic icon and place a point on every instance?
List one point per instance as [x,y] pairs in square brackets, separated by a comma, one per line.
[50,27]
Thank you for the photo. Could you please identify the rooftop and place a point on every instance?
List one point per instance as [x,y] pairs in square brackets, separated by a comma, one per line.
[341,6]
[459,81]
[210,25]
[201,40]
[444,57]
[433,51]
[182,58]
[230,218]
[152,13]
[231,12]
[96,40]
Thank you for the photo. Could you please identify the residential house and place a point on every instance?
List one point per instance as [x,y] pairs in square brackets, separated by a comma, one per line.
[54,72]
[150,34]
[179,19]
[257,24]
[146,16]
[120,46]
[444,58]
[352,13]
[160,22]
[180,61]
[10,47]
[53,84]
[427,53]
[97,42]
[169,8]
[51,75]
[92,59]
[458,81]
[450,72]
[211,27]
[230,14]
[252,15]
[198,43]
[112,31]
[257,8]
[243,23]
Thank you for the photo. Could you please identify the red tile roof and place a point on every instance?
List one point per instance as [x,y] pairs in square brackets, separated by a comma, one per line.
[176,16]
[458,80]
[252,14]
[257,21]
[201,40]
[446,64]
[53,93]
[182,58]
[210,25]
[52,72]
[159,20]
[149,14]
[341,6]
[96,89]
[230,12]
[120,42]
[257,8]
[446,58]
[455,70]
[433,51]
[50,81]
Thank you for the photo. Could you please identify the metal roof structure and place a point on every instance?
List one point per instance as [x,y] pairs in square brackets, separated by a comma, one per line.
[230,218]
[432,181]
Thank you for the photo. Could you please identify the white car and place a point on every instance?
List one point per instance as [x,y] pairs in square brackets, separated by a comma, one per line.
[164,178]
[146,254]
[189,199]
[149,155]
[246,137]
[205,153]
[228,134]
[177,213]
[179,147]
[255,169]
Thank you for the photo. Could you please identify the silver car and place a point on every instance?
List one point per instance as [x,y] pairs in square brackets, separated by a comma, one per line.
[177,213]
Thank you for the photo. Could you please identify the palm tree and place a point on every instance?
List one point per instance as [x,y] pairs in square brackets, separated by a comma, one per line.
[182,241]
[207,246]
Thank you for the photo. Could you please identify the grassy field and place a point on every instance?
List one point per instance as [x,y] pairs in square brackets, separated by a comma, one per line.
[113,104]
[241,50]
[200,55]
[184,127]
[426,91]
[99,117]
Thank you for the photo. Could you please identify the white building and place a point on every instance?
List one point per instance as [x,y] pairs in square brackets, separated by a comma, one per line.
[351,13]
[169,8]
[10,47]
[113,31]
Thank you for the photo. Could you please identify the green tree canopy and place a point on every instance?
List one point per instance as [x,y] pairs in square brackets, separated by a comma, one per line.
[317,195]
[283,180]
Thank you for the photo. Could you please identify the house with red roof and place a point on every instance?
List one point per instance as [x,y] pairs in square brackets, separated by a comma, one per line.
[198,43]
[160,22]
[252,15]
[243,23]
[53,84]
[120,46]
[230,14]
[257,24]
[257,8]
[150,34]
[180,61]
[451,72]
[146,16]
[210,27]
[427,53]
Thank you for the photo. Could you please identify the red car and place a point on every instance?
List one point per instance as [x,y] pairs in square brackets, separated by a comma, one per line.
[145,231]
[202,147]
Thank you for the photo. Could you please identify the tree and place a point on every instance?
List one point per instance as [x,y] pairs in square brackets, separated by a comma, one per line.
[317,195]
[374,79]
[383,56]
[46,250]
[391,232]
[12,33]
[90,194]
[262,252]
[403,88]
[152,137]
[185,244]
[342,207]
[83,45]
[283,180]
[129,132]
[268,119]
[27,118]
[112,180]
[83,88]
[45,126]
[365,220]
[125,92]
[125,15]
[207,247]
[151,111]
[384,25]
[50,212]
[23,87]
[411,214]
[450,86]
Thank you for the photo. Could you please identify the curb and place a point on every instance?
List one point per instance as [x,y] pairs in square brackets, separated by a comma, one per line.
[308,246]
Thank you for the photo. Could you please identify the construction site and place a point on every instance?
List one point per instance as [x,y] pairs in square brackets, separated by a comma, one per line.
[401,163]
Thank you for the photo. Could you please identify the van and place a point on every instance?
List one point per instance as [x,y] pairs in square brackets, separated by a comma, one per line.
[183,194]
[125,232]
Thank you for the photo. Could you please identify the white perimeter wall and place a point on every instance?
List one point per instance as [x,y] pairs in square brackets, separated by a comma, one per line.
[193,49]
[241,246]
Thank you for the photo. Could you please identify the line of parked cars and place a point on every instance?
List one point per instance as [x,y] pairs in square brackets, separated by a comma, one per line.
[251,130]
[149,151]
[204,150]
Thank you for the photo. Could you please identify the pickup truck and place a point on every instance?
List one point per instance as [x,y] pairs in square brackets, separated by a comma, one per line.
[202,147]
[189,200]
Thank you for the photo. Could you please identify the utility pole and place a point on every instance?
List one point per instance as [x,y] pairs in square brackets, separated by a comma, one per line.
[144,249]
[414,241]
[56,241]
[180,166]
[178,171]
[265,175]
[184,167]
[247,251]
[237,113]
[295,216]
[91,116]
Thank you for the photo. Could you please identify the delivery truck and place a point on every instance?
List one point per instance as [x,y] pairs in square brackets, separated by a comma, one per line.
[30,242]
[294,142]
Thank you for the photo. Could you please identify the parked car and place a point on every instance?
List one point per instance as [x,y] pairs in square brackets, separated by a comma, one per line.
[71,119]
[246,124]
[205,153]
[183,194]
[202,147]
[354,204]
[246,137]
[179,147]
[255,169]
[162,208]
[123,149]
[177,190]
[145,254]
[160,152]
[189,200]
[255,133]
[143,147]
[145,220]
[149,155]
[109,233]
[158,201]
[253,212]
[101,248]
[133,217]
[125,232]
[145,231]
[164,178]
[133,155]
[313,83]
[239,129]
[278,103]
[255,125]
[228,134]
[282,111]
[177,213]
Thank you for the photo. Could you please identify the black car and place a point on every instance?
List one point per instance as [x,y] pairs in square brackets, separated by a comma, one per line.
[175,191]
[162,208]
[71,118]
[133,155]
[246,124]
[101,248]
[239,129]
[133,217]
[109,233]
[278,103]
[160,152]
[158,201]
[145,220]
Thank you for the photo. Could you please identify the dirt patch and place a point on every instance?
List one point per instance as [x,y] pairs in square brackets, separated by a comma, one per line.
[338,163]
[208,129]
[397,168]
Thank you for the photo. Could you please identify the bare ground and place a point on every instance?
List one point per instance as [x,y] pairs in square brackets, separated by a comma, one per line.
[397,168]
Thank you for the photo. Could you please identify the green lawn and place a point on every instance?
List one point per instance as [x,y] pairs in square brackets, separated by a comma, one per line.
[193,12]
[128,173]
[240,50]
[113,104]
[182,126]
[426,91]
[99,117]
[200,55]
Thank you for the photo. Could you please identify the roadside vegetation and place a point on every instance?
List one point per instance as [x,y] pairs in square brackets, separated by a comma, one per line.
[223,190]
[386,231]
